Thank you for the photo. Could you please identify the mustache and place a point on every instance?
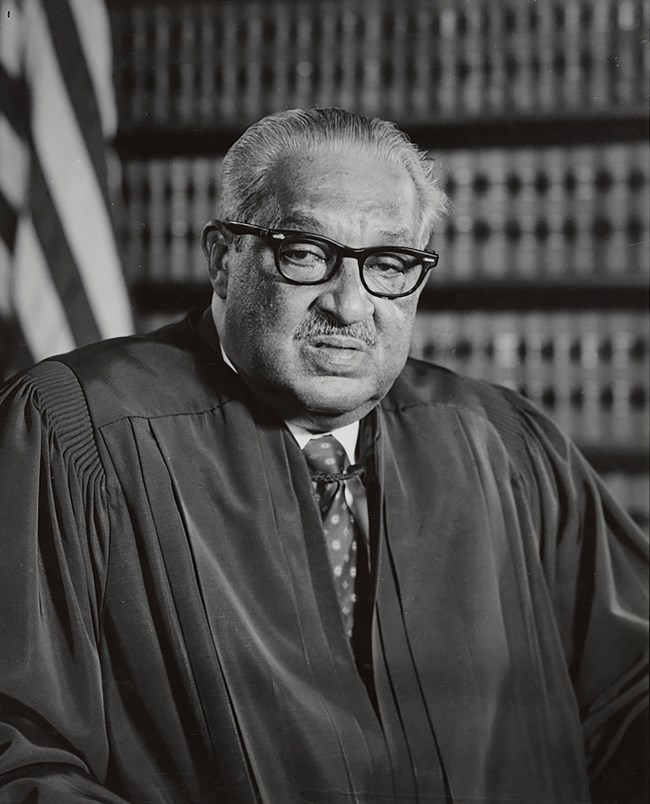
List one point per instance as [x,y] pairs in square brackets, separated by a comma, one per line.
[320,324]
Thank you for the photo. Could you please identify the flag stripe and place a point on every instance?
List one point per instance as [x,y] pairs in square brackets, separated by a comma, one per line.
[75,192]
[61,261]
[79,86]
[14,102]
[94,28]
[38,308]
[8,222]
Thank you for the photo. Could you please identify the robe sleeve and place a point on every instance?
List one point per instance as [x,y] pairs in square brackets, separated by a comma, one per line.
[596,563]
[53,741]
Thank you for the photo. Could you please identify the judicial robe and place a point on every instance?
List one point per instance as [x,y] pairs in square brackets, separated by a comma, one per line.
[169,627]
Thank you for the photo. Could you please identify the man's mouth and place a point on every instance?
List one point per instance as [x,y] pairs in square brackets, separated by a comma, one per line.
[338,342]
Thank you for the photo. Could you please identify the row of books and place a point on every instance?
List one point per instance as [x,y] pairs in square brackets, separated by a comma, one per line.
[230,62]
[588,370]
[552,213]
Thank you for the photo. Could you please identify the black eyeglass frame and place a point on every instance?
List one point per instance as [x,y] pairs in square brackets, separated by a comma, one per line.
[276,238]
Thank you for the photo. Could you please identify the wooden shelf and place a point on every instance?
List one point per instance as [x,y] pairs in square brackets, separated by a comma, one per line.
[512,132]
[630,460]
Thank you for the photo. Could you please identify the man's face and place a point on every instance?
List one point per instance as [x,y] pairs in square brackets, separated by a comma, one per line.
[321,355]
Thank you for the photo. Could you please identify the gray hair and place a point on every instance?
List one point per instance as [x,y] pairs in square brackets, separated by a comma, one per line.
[249,161]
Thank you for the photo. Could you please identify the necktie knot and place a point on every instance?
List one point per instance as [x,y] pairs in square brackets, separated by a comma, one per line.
[325,455]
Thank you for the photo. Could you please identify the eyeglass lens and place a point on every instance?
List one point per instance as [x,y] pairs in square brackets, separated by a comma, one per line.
[386,272]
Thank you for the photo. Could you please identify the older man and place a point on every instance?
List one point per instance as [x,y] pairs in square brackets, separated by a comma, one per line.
[260,557]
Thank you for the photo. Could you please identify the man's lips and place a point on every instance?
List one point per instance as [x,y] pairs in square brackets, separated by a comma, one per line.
[338,342]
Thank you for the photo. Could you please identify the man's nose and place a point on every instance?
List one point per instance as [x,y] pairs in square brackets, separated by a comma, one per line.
[345,297]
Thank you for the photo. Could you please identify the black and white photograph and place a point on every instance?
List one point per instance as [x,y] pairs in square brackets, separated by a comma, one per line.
[324,401]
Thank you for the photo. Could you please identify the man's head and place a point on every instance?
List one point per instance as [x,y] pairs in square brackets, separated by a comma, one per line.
[321,355]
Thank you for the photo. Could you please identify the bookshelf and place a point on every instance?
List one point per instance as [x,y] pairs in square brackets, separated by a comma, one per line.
[537,113]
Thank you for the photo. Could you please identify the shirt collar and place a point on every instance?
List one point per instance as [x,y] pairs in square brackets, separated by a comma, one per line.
[347,435]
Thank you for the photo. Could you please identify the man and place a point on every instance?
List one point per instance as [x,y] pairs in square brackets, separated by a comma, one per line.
[254,557]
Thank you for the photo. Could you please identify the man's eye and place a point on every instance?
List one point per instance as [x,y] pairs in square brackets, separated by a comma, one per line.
[304,253]
[389,264]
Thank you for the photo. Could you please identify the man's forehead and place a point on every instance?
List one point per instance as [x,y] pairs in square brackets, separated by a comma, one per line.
[305,222]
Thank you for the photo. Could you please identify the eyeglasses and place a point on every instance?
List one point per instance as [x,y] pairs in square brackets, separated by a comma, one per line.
[308,259]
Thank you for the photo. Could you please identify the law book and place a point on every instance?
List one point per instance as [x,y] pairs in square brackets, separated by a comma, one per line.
[426,69]
[490,210]
[138,64]
[161,64]
[326,46]
[630,345]
[599,53]
[135,232]
[537,361]
[471,58]
[506,350]
[250,57]
[159,192]
[231,21]
[494,65]
[637,234]
[209,64]
[520,88]
[630,41]
[544,43]
[303,46]
[460,246]
[572,38]
[348,87]
[447,46]
[550,214]
[183,50]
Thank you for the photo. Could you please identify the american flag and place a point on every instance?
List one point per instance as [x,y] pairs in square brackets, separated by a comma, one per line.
[61,279]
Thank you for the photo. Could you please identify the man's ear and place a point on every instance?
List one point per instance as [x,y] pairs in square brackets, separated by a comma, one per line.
[216,241]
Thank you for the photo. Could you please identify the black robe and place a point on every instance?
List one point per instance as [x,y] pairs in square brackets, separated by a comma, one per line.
[169,629]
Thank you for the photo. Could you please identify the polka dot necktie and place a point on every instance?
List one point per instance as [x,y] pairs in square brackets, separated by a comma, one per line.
[326,458]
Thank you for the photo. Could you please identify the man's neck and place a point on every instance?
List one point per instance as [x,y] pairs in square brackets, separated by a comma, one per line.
[347,435]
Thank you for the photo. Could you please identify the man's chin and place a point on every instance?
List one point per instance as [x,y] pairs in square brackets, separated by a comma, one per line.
[333,401]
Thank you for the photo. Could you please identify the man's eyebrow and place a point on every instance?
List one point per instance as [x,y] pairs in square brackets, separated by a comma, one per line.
[304,222]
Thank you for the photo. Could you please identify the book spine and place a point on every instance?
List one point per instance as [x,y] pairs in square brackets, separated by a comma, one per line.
[521,87]
[572,42]
[250,77]
[424,61]
[462,168]
[448,46]
[136,232]
[545,43]
[230,19]
[629,83]
[162,65]
[471,59]
[327,45]
[159,193]
[209,66]
[637,234]
[599,86]
[553,216]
